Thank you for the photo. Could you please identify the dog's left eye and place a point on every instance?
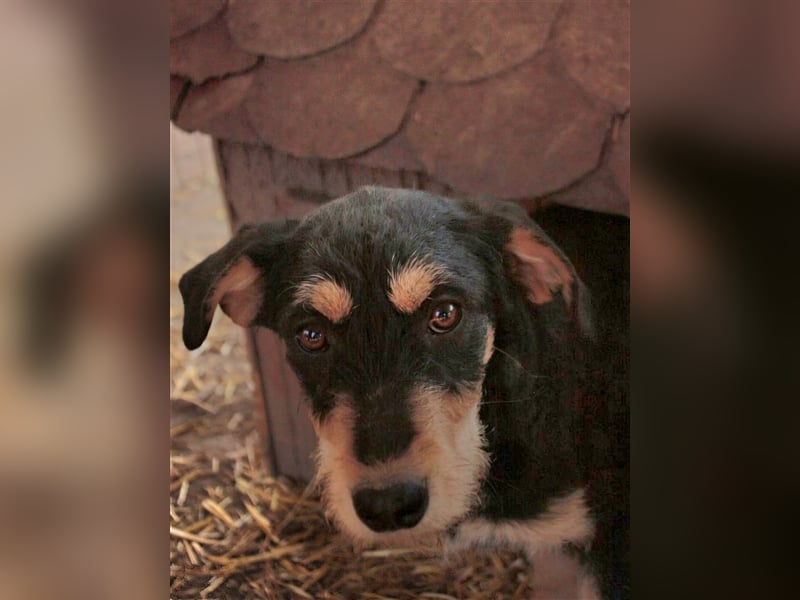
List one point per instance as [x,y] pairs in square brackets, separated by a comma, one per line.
[312,340]
[444,318]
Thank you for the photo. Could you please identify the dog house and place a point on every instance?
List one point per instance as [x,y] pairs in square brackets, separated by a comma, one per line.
[307,101]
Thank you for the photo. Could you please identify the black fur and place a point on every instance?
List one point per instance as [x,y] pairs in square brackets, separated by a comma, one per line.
[535,383]
[377,355]
[267,246]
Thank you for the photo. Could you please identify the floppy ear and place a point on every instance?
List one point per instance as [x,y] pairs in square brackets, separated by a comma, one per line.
[534,260]
[237,278]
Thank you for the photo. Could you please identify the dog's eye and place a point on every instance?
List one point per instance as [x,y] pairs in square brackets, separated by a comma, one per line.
[444,318]
[312,340]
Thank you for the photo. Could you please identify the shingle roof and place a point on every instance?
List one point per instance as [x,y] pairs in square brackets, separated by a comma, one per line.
[516,99]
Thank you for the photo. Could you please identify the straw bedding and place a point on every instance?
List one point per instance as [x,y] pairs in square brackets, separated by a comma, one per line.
[236,531]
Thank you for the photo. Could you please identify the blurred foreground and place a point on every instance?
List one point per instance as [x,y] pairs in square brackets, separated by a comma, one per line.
[83,363]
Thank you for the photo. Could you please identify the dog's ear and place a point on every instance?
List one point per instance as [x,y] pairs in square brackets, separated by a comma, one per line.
[532,259]
[244,278]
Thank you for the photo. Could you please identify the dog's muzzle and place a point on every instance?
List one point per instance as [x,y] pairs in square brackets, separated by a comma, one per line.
[399,506]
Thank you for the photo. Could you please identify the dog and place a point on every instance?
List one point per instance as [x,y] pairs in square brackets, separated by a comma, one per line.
[443,346]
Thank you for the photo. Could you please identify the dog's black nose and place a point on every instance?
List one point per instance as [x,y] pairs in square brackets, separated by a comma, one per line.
[400,506]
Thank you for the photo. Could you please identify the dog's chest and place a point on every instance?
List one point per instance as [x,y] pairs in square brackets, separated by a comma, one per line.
[543,539]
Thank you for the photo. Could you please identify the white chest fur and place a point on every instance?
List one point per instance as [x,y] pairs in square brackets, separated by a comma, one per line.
[555,573]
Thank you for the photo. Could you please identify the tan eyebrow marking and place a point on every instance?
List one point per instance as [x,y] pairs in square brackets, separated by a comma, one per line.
[489,348]
[327,297]
[412,284]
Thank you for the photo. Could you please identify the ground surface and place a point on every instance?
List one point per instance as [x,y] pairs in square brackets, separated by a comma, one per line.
[236,531]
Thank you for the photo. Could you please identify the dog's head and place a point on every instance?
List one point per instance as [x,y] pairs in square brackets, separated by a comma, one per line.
[389,302]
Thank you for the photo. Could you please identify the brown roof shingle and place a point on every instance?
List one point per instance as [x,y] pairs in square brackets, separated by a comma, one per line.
[619,161]
[176,86]
[208,52]
[187,15]
[594,45]
[523,133]
[216,108]
[330,106]
[293,29]
[459,41]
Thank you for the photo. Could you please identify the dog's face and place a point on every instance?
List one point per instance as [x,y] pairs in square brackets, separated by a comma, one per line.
[388,303]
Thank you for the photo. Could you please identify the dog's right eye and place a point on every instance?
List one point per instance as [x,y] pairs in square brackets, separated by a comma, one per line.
[311,340]
[444,317]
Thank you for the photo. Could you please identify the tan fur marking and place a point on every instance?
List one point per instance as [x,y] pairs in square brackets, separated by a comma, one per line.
[539,266]
[555,574]
[236,295]
[327,297]
[487,353]
[447,452]
[558,575]
[411,285]
[565,521]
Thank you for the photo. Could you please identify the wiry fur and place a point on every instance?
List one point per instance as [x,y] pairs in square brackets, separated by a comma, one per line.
[489,348]
[491,417]
[325,296]
[447,453]
[539,265]
[565,521]
[412,284]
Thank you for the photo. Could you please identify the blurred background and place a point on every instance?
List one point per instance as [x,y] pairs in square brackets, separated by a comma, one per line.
[84,424]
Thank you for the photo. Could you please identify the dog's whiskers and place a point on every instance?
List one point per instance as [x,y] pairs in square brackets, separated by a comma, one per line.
[504,401]
[518,364]
[503,482]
